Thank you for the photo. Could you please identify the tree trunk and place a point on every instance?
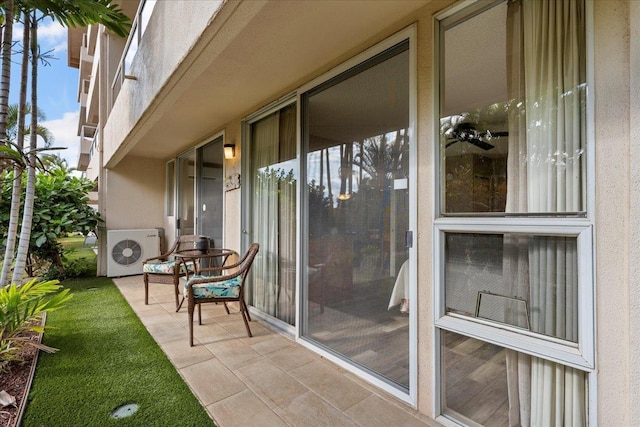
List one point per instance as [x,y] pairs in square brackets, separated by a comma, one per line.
[5,79]
[16,193]
[5,74]
[27,214]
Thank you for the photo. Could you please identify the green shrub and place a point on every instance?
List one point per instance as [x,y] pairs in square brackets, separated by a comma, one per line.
[21,307]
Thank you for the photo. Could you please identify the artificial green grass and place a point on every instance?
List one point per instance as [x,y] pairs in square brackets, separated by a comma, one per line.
[106,359]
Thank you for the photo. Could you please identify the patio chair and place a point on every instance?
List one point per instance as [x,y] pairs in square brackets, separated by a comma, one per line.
[168,270]
[226,286]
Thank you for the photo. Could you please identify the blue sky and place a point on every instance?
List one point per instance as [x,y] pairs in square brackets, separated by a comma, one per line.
[57,88]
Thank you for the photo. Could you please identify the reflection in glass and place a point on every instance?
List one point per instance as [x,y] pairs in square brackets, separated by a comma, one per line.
[357,195]
[484,384]
[512,125]
[530,282]
[273,181]
[211,191]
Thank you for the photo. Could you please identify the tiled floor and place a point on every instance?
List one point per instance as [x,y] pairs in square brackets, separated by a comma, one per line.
[267,380]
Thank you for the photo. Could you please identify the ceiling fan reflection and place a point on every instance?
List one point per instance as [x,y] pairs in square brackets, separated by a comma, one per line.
[466,132]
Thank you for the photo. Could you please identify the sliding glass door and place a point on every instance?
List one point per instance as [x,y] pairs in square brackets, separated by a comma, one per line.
[200,191]
[273,182]
[185,214]
[356,257]
[210,190]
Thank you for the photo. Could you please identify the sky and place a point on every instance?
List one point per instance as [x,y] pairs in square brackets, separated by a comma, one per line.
[57,88]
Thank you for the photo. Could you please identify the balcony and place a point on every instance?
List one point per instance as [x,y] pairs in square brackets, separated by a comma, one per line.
[87,143]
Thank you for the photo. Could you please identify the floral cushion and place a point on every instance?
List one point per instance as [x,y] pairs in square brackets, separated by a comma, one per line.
[166,267]
[227,288]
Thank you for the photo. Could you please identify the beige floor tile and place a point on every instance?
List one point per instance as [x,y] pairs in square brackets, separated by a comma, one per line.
[211,381]
[233,353]
[210,333]
[330,384]
[308,409]
[375,411]
[244,409]
[182,355]
[290,358]
[268,343]
[272,382]
[168,331]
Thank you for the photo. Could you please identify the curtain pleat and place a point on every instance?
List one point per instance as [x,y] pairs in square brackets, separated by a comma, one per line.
[273,214]
[265,213]
[545,174]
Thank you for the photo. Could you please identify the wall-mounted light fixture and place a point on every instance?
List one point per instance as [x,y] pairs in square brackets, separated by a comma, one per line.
[229,151]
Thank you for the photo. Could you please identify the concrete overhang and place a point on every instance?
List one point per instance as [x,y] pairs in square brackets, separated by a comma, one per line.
[276,46]
[74,42]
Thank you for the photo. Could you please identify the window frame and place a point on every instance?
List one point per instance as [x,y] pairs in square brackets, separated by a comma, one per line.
[581,225]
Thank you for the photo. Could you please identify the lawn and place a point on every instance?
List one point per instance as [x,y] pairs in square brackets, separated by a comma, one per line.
[106,359]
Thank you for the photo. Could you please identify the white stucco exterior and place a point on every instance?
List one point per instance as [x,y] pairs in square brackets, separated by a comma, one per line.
[203,66]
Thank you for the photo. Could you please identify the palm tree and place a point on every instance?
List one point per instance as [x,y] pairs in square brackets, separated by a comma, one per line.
[18,118]
[30,190]
[76,13]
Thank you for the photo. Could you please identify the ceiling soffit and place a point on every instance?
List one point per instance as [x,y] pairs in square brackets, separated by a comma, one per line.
[282,44]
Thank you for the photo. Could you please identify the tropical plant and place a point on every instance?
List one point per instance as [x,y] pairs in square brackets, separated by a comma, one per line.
[20,309]
[76,13]
[60,208]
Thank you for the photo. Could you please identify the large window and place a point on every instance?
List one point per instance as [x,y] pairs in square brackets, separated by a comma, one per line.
[513,231]
[356,148]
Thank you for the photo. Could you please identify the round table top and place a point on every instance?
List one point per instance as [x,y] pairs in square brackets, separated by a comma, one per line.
[197,253]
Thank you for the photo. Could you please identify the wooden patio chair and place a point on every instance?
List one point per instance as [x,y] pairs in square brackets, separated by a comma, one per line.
[168,270]
[221,284]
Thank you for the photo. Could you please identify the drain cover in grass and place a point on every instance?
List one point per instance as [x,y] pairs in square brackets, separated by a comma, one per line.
[124,410]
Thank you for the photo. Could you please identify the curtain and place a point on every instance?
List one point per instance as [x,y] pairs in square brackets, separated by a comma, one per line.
[273,213]
[545,174]
[287,216]
[264,213]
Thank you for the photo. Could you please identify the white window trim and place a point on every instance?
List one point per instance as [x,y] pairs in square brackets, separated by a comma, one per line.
[585,227]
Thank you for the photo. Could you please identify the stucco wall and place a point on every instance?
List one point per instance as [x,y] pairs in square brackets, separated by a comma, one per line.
[135,194]
[612,145]
[153,67]
[634,214]
[617,190]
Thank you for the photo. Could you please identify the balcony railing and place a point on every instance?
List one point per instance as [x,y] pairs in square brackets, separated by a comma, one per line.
[140,22]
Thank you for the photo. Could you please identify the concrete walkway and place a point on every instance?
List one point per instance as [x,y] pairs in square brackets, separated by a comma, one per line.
[267,380]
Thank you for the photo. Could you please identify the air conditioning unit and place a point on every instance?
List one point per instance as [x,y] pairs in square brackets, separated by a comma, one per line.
[127,249]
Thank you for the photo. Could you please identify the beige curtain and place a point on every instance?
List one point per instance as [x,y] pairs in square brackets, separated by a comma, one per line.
[545,174]
[273,213]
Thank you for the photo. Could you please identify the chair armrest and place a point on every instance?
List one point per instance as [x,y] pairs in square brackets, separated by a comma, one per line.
[159,258]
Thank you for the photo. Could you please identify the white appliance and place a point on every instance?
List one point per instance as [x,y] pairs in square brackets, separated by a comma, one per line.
[127,249]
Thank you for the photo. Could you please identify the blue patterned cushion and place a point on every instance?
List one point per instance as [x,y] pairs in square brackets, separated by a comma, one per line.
[166,267]
[227,288]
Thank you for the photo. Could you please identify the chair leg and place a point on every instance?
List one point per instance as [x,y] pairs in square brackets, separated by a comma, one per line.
[178,303]
[190,310]
[245,314]
[145,278]
[246,310]
[226,308]
[199,314]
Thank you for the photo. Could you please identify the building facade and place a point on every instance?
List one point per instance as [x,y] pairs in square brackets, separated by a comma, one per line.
[445,193]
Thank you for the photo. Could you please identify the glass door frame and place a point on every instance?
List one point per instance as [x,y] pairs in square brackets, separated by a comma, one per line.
[219,138]
[195,150]
[291,330]
[410,35]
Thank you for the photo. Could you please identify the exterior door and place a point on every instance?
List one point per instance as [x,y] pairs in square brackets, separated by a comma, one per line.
[186,185]
[210,191]
[357,234]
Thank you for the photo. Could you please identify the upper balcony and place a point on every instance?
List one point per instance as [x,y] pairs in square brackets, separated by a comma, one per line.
[193,67]
[87,143]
